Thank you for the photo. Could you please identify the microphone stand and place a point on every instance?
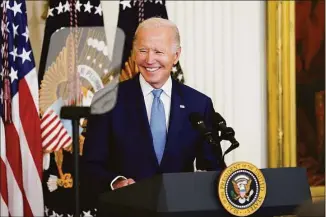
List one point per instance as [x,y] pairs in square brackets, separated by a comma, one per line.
[74,114]
[228,135]
[211,139]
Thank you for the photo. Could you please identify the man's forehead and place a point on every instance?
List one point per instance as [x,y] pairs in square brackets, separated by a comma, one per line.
[153,42]
[154,36]
[152,39]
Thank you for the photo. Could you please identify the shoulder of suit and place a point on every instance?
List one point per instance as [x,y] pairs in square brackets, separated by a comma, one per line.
[126,84]
[187,90]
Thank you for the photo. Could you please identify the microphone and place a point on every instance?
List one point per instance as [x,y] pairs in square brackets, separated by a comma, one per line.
[197,122]
[227,133]
[219,122]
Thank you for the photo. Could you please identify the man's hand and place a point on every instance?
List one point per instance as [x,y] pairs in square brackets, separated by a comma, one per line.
[129,70]
[119,183]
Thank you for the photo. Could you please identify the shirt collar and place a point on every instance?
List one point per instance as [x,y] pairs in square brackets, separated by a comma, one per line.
[147,88]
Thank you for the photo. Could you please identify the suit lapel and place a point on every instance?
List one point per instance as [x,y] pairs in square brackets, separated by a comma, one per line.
[138,108]
[177,116]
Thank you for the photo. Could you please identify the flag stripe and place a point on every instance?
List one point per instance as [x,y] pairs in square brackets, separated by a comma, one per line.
[3,173]
[67,142]
[51,123]
[31,124]
[54,141]
[3,207]
[14,134]
[31,182]
[15,197]
[53,131]
[54,134]
[46,122]
[3,190]
[21,150]
[3,184]
[61,139]
[14,168]
[32,82]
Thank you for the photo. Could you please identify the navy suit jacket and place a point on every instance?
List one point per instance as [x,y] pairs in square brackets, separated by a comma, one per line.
[120,142]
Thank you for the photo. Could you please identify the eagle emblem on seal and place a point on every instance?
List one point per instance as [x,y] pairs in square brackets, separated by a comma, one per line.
[81,65]
[242,192]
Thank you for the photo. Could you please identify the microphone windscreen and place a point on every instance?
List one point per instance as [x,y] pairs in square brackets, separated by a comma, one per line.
[218,118]
[198,122]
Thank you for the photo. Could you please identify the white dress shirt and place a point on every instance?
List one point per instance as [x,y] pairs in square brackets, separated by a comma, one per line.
[165,97]
[148,98]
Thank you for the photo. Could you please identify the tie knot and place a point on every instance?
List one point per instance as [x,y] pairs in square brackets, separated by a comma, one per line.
[157,93]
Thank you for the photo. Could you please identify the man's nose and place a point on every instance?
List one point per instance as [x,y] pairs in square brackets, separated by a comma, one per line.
[150,58]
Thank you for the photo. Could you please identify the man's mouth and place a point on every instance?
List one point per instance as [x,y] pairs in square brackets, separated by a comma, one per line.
[152,69]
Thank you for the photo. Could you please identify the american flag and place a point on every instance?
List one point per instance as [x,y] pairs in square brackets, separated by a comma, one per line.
[21,150]
[54,134]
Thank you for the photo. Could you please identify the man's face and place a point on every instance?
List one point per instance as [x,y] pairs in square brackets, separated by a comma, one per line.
[155,54]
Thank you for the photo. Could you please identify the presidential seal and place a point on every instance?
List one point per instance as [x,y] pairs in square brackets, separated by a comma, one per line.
[242,189]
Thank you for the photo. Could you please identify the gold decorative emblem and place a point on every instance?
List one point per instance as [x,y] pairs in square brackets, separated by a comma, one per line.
[242,189]
[92,64]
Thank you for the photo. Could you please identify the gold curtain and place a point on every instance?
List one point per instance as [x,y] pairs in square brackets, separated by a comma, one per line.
[36,24]
[281,75]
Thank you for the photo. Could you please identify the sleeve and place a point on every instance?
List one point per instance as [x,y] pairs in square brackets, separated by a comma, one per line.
[209,157]
[111,185]
[97,161]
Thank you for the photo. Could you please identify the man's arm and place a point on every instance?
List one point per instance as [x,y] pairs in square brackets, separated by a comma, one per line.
[98,159]
[207,154]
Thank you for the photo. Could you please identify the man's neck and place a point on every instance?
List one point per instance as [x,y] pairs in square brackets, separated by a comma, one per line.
[147,87]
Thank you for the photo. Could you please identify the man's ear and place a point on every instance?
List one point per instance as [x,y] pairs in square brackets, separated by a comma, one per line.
[177,56]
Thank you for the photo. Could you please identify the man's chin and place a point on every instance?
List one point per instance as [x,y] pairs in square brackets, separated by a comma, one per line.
[150,77]
[153,82]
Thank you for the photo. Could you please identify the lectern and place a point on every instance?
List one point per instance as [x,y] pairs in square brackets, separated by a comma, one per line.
[196,195]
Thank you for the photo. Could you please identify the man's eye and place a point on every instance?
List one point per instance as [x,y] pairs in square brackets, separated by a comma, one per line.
[159,52]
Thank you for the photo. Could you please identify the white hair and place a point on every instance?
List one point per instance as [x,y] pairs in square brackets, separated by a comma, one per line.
[156,22]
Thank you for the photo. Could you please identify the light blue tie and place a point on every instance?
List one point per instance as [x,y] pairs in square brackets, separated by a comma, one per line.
[157,124]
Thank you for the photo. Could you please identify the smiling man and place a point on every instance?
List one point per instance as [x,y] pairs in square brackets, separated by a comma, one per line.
[148,132]
[156,49]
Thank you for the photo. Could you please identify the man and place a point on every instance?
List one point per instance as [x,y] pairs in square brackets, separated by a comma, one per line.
[148,132]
